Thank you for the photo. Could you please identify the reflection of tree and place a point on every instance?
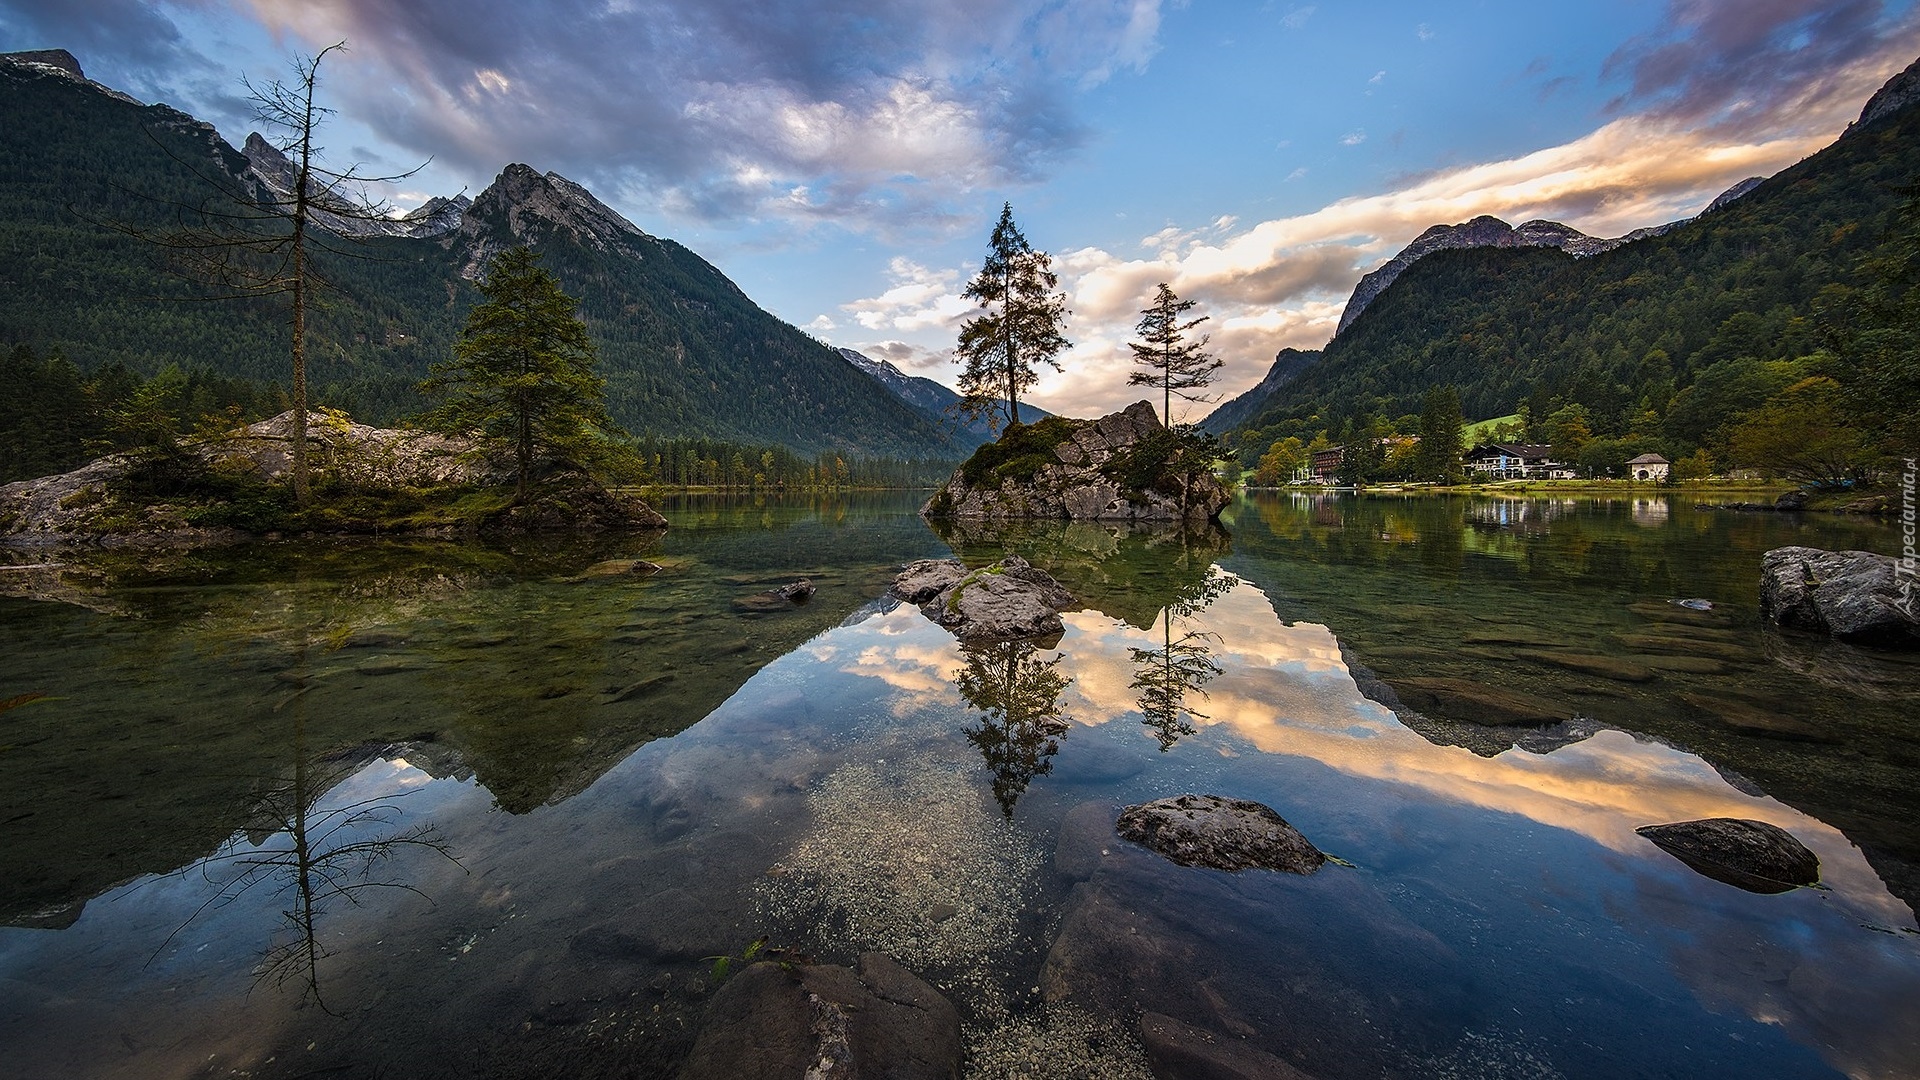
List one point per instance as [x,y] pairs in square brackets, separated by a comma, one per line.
[310,855]
[1019,693]
[1182,666]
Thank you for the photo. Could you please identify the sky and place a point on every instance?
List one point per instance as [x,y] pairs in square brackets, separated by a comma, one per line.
[844,161]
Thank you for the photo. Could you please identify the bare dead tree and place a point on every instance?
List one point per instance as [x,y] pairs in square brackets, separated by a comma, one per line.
[258,238]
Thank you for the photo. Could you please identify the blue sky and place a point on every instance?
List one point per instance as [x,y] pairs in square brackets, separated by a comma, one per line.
[844,161]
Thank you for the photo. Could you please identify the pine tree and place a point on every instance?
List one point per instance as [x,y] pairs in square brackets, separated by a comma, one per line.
[1167,359]
[522,367]
[1022,326]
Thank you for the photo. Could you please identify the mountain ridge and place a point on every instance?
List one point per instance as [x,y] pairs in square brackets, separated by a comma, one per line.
[686,354]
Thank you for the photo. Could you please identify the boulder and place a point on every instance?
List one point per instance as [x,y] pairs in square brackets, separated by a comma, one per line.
[783,598]
[1010,599]
[923,580]
[827,1022]
[1225,834]
[1080,470]
[1751,855]
[1855,596]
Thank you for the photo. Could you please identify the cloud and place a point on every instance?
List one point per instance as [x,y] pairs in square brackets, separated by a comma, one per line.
[1297,18]
[1743,67]
[797,111]
[919,299]
[1283,282]
[1353,138]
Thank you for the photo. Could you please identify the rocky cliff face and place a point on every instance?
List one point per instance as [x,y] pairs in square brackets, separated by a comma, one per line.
[1483,231]
[336,212]
[90,504]
[1899,92]
[1120,467]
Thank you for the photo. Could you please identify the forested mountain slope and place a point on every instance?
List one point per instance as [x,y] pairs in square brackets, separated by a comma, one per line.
[89,177]
[1665,334]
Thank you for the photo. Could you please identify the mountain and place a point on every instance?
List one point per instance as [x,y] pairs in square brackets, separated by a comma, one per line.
[933,399]
[1235,411]
[1690,324]
[91,176]
[1489,231]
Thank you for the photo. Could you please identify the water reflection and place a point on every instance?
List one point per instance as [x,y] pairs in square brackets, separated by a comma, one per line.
[823,786]
[309,852]
[1018,694]
[1180,669]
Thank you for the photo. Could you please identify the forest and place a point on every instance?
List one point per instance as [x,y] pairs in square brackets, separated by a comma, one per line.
[1786,318]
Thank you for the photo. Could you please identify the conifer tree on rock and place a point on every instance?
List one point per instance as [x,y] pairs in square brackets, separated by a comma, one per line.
[522,367]
[1022,326]
[1167,359]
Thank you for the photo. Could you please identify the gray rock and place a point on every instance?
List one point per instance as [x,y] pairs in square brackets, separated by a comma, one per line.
[1225,834]
[1086,840]
[1010,599]
[781,599]
[1855,596]
[1073,487]
[1751,855]
[923,580]
[1180,1051]
[826,1022]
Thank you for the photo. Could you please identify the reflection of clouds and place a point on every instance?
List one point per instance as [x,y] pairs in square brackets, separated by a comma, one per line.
[1285,690]
[917,664]
[1802,961]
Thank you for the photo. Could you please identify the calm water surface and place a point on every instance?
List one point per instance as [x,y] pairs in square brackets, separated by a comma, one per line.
[417,809]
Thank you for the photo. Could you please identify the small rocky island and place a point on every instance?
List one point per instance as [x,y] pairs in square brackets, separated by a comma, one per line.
[366,479]
[1125,466]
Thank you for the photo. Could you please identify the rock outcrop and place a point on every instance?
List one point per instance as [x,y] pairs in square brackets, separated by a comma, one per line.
[1225,834]
[1856,596]
[1751,855]
[828,1022]
[1010,599]
[97,503]
[1125,466]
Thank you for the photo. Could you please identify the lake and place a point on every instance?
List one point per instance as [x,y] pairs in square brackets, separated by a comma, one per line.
[411,808]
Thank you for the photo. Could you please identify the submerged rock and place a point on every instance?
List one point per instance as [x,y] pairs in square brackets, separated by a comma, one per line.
[1751,855]
[783,598]
[1225,834]
[1010,599]
[1855,596]
[827,1022]
[1464,699]
[1180,1051]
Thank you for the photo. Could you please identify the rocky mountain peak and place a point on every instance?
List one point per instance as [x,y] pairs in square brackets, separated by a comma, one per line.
[1482,231]
[524,202]
[1899,92]
[270,167]
[53,58]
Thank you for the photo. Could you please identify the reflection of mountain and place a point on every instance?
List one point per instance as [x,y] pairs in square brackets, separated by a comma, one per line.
[1569,603]
[485,656]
